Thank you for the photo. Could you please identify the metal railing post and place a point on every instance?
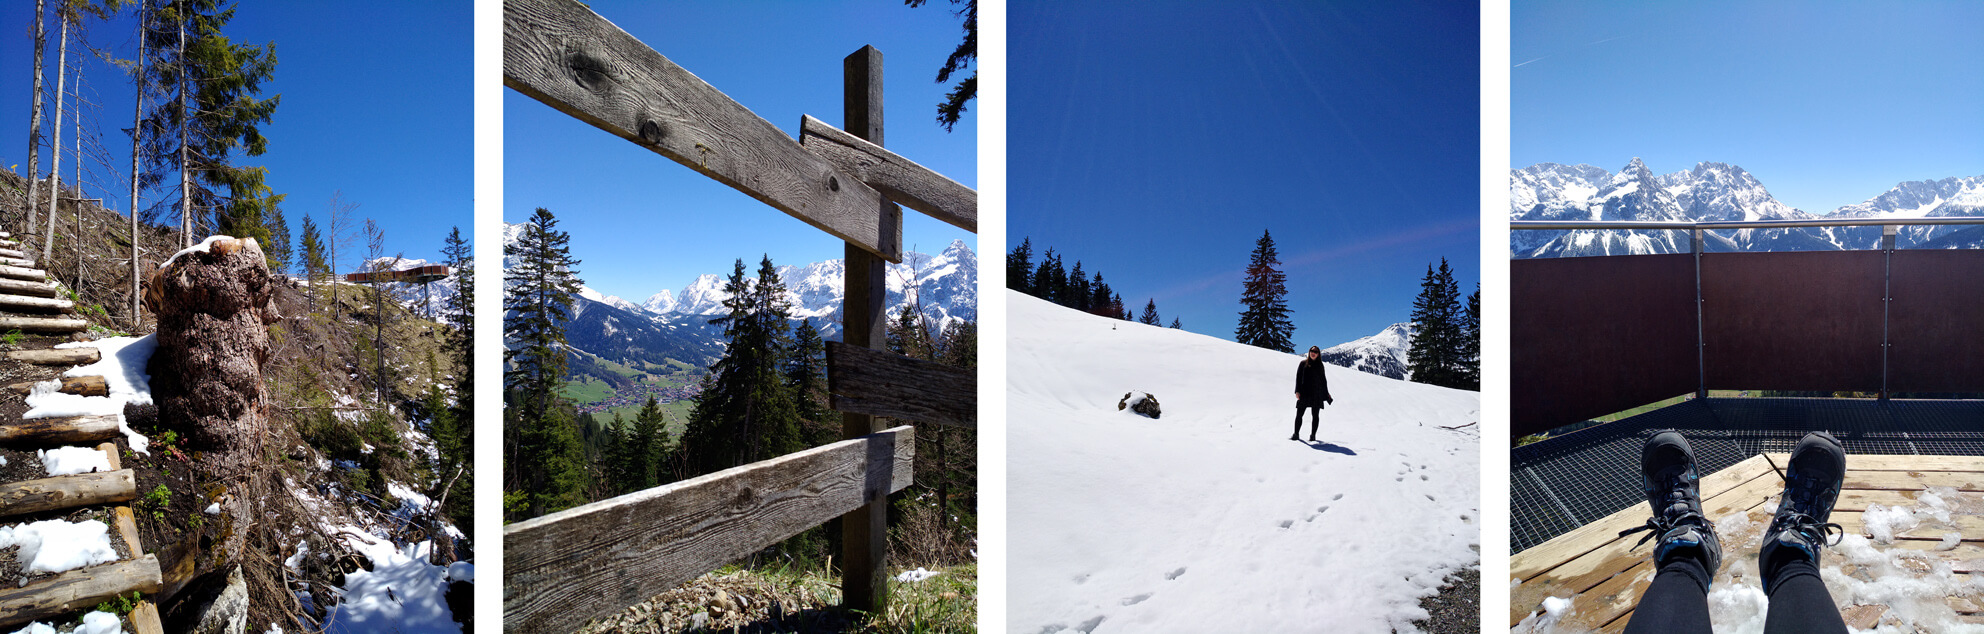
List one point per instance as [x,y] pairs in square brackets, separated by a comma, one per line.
[1887,299]
[1701,341]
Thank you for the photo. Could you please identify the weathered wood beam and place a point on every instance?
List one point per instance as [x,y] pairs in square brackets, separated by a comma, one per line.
[563,569]
[864,531]
[43,324]
[38,289]
[561,53]
[177,563]
[81,385]
[68,491]
[17,302]
[54,356]
[78,590]
[68,429]
[11,253]
[33,275]
[879,383]
[900,179]
[20,262]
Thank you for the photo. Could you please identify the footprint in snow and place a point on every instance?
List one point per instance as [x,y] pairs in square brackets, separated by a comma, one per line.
[1137,599]
[1081,579]
[1174,574]
[1422,477]
[1321,509]
[1339,496]
[1287,523]
[1089,625]
[1429,497]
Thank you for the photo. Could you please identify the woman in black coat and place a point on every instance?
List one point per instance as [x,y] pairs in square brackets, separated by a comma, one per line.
[1312,390]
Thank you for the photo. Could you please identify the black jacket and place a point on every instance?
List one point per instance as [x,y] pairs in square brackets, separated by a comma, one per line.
[1311,384]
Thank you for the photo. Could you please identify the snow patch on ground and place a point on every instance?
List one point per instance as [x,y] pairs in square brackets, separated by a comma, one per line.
[402,592]
[1211,519]
[58,546]
[122,366]
[912,576]
[73,460]
[93,623]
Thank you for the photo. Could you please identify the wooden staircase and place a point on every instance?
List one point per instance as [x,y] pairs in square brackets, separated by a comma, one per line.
[28,302]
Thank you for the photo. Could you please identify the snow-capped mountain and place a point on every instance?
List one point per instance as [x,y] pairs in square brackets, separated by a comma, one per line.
[946,283]
[1382,354]
[1710,192]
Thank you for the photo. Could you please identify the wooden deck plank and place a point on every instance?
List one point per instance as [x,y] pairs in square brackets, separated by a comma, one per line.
[1863,462]
[1550,554]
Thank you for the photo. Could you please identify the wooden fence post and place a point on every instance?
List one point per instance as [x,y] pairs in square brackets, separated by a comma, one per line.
[865,531]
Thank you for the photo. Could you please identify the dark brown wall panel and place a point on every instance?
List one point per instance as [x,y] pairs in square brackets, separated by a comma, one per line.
[1937,322]
[1793,321]
[1592,336]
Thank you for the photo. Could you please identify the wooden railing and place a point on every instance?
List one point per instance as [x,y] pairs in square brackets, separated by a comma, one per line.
[566,568]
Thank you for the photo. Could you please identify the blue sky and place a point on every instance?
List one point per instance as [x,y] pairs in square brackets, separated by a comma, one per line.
[375,102]
[1155,144]
[1827,103]
[641,222]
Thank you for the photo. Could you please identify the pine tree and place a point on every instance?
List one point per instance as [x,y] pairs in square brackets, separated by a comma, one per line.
[643,444]
[1175,325]
[1099,302]
[1265,322]
[1049,279]
[277,248]
[805,375]
[1435,355]
[459,342]
[207,114]
[548,460]
[1471,350]
[1076,294]
[1150,313]
[314,269]
[1019,267]
[746,412]
[905,334]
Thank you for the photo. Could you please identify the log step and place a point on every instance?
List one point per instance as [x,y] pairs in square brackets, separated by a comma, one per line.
[55,356]
[10,252]
[36,289]
[63,430]
[81,385]
[43,324]
[20,262]
[78,590]
[19,273]
[17,302]
[61,492]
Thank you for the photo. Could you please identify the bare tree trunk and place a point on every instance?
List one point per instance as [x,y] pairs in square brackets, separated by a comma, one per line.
[185,171]
[137,131]
[55,170]
[34,120]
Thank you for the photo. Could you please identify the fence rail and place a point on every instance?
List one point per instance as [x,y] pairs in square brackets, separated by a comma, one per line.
[563,569]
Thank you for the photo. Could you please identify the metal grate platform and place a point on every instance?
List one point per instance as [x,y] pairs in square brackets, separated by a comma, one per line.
[1565,482]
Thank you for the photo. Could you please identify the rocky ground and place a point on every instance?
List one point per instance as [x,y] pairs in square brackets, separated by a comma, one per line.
[1457,608]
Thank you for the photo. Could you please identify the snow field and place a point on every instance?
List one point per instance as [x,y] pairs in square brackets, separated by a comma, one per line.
[401,593]
[1209,519]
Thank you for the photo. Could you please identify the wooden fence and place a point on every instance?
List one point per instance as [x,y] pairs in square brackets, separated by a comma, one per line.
[566,568]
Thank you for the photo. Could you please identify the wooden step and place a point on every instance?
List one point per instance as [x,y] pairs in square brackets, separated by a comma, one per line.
[10,252]
[78,590]
[19,273]
[63,430]
[20,303]
[43,324]
[35,289]
[68,491]
[54,356]
[20,262]
[144,617]
[81,385]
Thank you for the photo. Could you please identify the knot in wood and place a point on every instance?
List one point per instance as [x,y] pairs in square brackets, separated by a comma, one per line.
[833,184]
[589,71]
[745,496]
[651,132]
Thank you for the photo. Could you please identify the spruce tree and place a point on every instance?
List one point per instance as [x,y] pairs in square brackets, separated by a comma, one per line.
[208,113]
[1076,294]
[459,343]
[1049,278]
[1019,267]
[746,412]
[1471,350]
[1265,322]
[905,334]
[537,301]
[643,445]
[805,375]
[1099,302]
[1435,355]
[1175,325]
[1150,313]
[314,269]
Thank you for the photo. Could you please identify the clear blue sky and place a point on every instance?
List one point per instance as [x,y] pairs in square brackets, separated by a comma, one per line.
[375,102]
[1828,103]
[641,222]
[1156,142]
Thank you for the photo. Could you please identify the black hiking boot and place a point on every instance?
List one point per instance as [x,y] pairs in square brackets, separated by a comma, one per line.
[1312,438]
[1295,437]
[1811,485]
[1667,472]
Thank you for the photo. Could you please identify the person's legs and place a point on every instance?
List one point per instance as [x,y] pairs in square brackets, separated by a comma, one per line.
[1789,558]
[1315,418]
[1688,553]
[1297,434]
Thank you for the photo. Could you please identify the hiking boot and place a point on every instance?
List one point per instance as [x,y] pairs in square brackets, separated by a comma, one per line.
[1295,437]
[1667,472]
[1312,439]
[1811,485]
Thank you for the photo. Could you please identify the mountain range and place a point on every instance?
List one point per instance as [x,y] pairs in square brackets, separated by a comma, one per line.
[671,324]
[1719,192]
[1382,354]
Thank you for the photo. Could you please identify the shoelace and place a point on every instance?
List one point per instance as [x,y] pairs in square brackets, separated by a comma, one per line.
[1811,527]
[1660,525]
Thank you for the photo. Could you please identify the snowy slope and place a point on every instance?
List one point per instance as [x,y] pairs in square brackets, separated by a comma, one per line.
[1382,354]
[431,300]
[1209,519]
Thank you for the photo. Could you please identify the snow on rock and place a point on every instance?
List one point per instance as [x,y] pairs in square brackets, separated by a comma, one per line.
[1211,519]
[401,593]
[461,571]
[202,247]
[73,460]
[122,366]
[913,576]
[58,546]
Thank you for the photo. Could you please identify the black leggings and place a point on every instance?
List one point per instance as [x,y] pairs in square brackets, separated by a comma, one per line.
[1315,418]
[1678,601]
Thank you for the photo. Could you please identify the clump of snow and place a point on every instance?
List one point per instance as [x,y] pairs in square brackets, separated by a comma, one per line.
[93,623]
[73,460]
[58,546]
[1549,621]
[1883,522]
[295,562]
[202,247]
[212,509]
[122,366]
[402,592]
[461,571]
[913,576]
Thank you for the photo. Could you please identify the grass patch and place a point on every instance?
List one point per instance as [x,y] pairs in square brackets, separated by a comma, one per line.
[587,392]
